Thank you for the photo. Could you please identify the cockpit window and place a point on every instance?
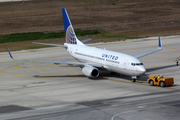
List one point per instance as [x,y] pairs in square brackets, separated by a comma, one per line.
[136,64]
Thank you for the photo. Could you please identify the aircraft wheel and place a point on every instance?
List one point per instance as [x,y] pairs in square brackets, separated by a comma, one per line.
[151,82]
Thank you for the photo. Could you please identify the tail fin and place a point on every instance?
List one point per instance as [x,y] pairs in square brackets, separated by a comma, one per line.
[70,35]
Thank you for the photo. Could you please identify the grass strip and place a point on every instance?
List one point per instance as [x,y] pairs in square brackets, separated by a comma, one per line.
[20,37]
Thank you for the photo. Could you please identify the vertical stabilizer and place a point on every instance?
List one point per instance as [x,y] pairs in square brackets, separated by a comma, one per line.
[70,35]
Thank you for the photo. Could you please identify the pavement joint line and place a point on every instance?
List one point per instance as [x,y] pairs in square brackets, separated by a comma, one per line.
[136,40]
[146,47]
[25,67]
[16,73]
[66,54]
[35,51]
[13,61]
[7,61]
[56,72]
[143,84]
[166,52]
[19,76]
[129,48]
[170,47]
[20,68]
[123,42]
[15,66]
[144,108]
[75,79]
[39,66]
[10,69]
[3,71]
[127,82]
[47,78]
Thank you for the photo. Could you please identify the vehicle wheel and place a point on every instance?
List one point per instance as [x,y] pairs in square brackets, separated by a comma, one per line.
[151,82]
[133,80]
[162,84]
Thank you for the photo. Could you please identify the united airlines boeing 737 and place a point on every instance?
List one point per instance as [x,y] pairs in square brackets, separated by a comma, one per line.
[92,59]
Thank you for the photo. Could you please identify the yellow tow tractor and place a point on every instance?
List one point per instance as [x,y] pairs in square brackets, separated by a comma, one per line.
[162,81]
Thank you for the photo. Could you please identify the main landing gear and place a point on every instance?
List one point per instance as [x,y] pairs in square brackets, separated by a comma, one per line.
[134,78]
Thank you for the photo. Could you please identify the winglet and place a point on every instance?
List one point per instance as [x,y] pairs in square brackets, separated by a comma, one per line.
[160,46]
[9,53]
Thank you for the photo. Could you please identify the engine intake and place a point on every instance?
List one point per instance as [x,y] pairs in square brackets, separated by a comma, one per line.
[90,71]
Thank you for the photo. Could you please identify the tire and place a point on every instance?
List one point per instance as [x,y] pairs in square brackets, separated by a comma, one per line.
[162,84]
[151,83]
[133,80]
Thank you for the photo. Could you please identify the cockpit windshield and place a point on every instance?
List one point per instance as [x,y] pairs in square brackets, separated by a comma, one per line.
[136,64]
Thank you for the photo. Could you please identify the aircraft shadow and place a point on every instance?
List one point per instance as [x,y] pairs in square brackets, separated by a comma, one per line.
[103,74]
[158,68]
[39,76]
[141,78]
[68,76]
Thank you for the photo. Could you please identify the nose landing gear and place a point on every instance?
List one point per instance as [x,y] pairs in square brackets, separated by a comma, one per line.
[134,78]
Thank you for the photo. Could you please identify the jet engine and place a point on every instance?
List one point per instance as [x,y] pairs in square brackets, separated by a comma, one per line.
[90,71]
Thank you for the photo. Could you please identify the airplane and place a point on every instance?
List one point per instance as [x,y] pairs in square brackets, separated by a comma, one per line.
[92,59]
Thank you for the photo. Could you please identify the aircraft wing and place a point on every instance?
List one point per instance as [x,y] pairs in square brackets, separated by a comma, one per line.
[58,62]
[49,44]
[150,52]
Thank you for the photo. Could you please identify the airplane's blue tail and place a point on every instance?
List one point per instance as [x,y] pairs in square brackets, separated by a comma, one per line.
[70,35]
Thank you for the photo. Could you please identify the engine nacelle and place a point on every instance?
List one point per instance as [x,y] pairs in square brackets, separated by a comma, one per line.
[90,71]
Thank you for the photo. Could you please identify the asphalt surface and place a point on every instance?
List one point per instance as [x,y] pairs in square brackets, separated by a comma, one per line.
[39,91]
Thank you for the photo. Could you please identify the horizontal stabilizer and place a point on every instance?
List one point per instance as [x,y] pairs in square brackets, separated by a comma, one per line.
[49,44]
[83,41]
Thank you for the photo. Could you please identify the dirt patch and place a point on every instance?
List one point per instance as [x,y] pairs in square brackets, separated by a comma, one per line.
[127,17]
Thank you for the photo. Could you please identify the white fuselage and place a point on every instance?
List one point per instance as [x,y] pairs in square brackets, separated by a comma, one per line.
[111,60]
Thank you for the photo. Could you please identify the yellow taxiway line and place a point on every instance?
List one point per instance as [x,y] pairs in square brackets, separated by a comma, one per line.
[143,84]
[16,73]
[170,47]
[56,72]
[20,76]
[15,66]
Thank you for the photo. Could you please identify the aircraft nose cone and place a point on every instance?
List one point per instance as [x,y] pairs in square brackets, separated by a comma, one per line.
[142,69]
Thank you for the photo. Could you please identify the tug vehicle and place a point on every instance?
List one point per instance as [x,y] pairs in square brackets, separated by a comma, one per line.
[162,81]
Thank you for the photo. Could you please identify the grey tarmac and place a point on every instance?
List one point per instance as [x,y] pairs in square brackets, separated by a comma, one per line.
[39,91]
